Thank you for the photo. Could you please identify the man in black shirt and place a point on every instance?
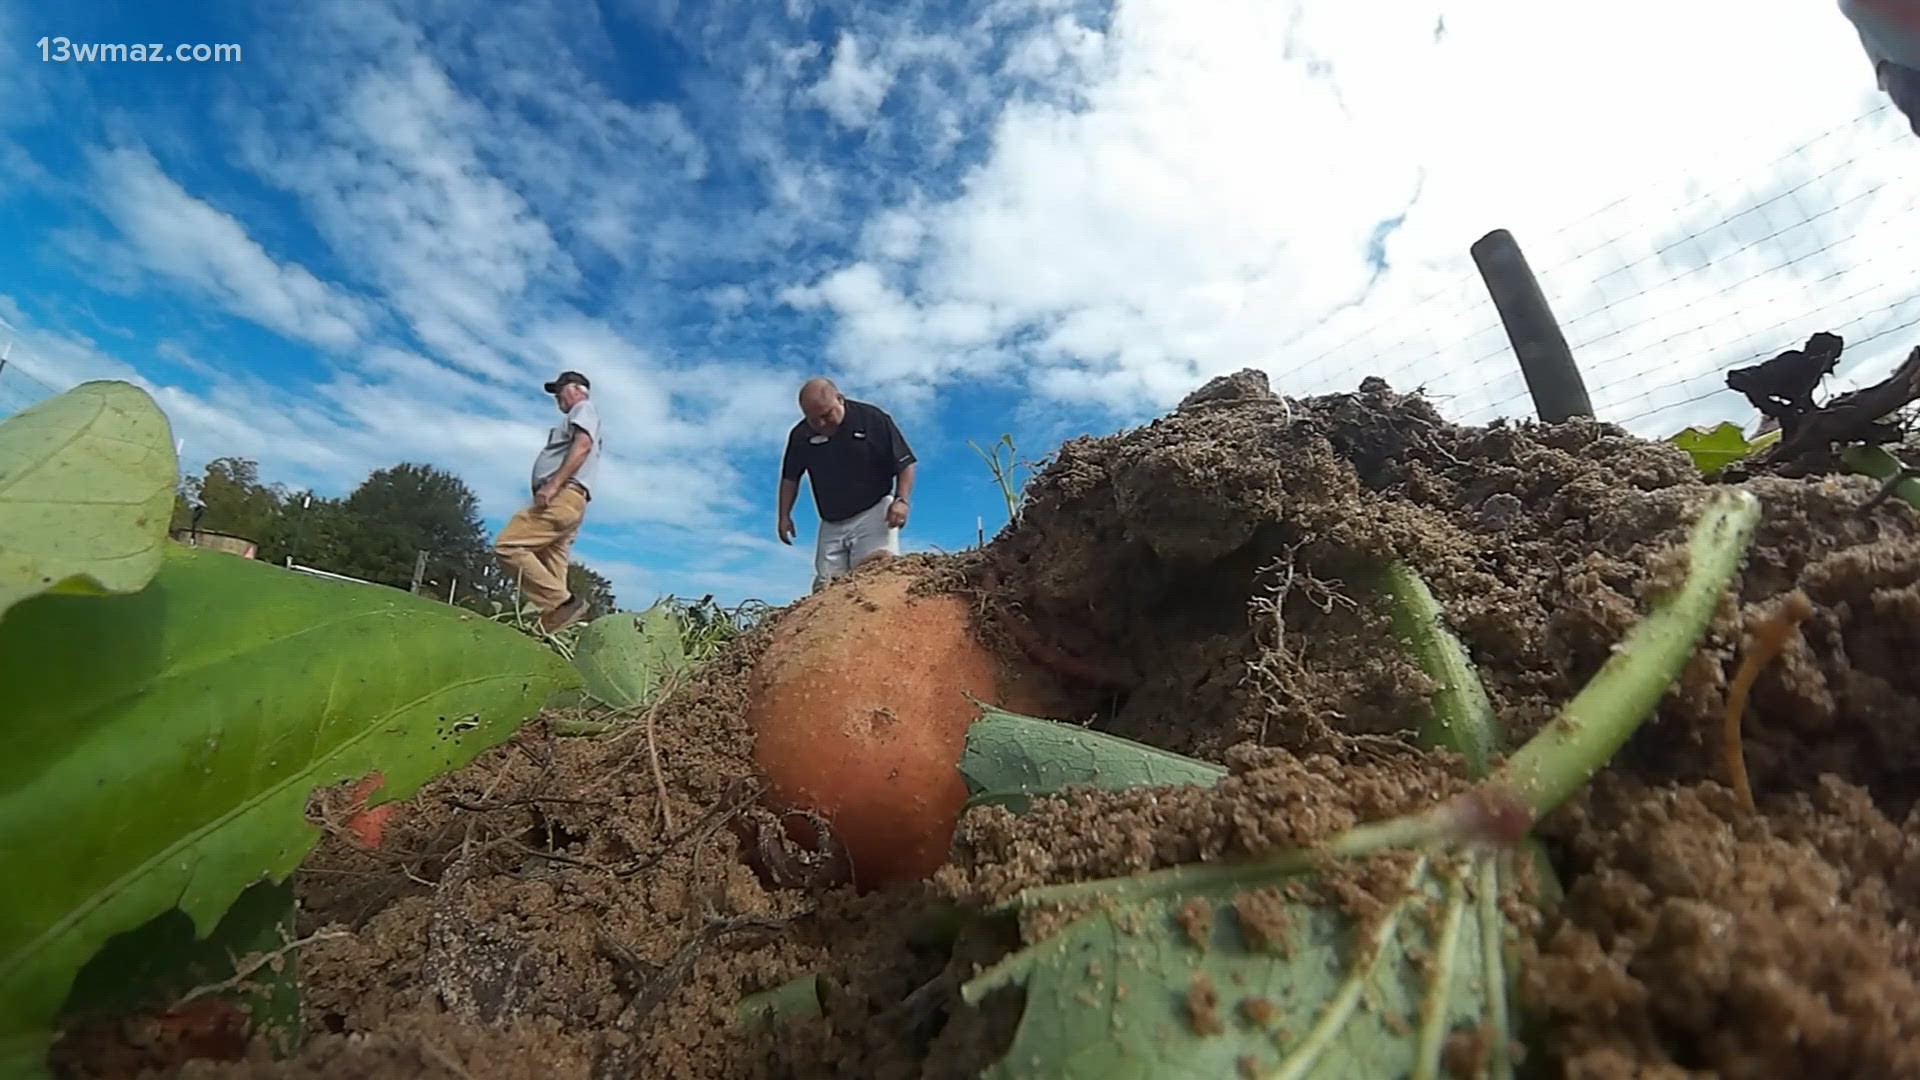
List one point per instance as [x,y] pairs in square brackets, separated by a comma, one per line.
[855,454]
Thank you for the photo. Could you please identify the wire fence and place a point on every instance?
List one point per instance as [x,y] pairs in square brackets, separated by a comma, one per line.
[1658,293]
[20,387]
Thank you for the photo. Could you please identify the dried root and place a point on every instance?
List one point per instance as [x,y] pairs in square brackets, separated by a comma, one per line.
[1763,644]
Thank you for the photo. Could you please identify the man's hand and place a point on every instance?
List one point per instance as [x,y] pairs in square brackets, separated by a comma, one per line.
[897,514]
[786,529]
[544,494]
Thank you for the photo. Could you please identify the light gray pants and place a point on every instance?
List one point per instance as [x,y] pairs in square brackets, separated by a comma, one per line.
[844,544]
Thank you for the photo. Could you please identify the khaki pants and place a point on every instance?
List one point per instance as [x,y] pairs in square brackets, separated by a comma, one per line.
[534,547]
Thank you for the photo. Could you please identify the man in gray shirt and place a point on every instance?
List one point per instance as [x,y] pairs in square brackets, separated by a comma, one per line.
[535,546]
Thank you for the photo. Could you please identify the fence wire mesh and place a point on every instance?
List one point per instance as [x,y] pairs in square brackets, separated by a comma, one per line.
[1660,292]
[20,388]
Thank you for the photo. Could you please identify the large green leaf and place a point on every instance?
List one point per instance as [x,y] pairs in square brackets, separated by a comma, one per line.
[624,657]
[162,746]
[86,493]
[1010,759]
[1225,983]
[1167,982]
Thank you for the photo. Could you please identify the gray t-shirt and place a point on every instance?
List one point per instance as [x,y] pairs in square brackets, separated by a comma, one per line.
[560,440]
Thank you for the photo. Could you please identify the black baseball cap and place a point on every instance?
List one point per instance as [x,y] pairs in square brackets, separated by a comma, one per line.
[568,377]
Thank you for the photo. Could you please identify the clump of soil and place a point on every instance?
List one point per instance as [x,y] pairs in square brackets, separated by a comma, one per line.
[1207,584]
[1697,937]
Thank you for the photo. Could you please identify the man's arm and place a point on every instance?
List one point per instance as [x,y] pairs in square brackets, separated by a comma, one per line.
[576,457]
[903,483]
[791,470]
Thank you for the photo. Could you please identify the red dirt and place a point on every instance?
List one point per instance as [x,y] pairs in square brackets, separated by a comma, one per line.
[369,826]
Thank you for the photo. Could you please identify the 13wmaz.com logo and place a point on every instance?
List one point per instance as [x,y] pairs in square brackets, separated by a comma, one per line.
[59,50]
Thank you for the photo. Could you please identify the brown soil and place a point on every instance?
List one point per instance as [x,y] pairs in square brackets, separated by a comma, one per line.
[1204,584]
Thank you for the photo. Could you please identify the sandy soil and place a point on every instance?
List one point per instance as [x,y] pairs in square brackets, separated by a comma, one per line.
[1204,584]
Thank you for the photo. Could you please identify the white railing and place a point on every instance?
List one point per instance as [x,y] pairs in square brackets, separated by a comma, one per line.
[317,572]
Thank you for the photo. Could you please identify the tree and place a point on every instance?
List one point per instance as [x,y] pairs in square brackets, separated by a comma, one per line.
[235,500]
[375,534]
[583,580]
[398,512]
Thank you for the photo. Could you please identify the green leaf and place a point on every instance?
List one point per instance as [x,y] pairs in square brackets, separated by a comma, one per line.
[791,1000]
[1714,450]
[1461,717]
[1879,463]
[1189,987]
[624,657]
[154,965]
[86,493]
[162,745]
[1010,759]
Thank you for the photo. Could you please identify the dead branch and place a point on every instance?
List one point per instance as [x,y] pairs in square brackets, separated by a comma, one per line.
[507,804]
[244,970]
[659,780]
[445,1060]
[1782,389]
[709,823]
[652,983]
[1765,643]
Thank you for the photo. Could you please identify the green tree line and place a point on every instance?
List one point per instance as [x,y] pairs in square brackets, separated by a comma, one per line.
[375,533]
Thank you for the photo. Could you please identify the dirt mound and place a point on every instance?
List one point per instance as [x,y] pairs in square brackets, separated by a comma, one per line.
[1217,566]
[1206,584]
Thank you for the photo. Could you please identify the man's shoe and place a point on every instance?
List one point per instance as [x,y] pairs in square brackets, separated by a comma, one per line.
[565,615]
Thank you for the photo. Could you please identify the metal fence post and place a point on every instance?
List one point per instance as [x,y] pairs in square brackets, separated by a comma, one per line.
[1553,379]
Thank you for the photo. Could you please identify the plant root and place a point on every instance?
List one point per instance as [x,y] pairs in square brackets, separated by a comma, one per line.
[1763,644]
[245,969]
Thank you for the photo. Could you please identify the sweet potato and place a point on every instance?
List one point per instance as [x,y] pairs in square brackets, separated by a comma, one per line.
[859,711]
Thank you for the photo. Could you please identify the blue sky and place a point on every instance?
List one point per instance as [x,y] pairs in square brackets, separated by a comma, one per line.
[373,236]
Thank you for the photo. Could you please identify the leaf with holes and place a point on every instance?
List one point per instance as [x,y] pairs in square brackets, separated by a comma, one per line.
[86,493]
[162,746]
[624,657]
[1254,982]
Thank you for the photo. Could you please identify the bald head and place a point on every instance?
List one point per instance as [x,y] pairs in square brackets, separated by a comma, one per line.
[823,405]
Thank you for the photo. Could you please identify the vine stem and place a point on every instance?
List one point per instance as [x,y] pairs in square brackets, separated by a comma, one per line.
[1618,699]
[1461,717]
[1541,775]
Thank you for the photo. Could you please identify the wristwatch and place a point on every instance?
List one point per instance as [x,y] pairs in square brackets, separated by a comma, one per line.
[898,499]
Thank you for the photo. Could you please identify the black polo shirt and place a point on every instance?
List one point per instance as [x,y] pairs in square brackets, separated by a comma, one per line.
[853,468]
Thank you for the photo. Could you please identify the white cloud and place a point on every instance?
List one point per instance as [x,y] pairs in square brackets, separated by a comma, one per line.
[855,86]
[40,365]
[1182,196]
[1063,49]
[178,236]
